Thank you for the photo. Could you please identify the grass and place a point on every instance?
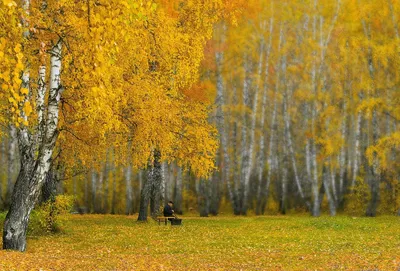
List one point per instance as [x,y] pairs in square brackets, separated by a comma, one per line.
[105,242]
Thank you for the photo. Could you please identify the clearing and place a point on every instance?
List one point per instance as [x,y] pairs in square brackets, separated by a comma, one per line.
[106,242]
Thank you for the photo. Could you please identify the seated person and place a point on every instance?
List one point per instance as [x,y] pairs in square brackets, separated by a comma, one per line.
[168,211]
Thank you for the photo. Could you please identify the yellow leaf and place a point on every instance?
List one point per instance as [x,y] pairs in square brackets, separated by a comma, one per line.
[24,91]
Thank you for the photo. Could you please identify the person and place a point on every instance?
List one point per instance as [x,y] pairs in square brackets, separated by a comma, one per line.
[168,211]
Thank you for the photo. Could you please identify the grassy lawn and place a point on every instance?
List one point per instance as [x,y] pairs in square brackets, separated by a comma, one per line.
[97,242]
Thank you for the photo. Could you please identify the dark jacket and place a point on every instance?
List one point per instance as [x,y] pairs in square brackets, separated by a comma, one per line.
[168,211]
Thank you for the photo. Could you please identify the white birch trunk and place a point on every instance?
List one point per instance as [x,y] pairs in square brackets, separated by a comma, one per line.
[342,155]
[261,153]
[331,202]
[33,171]
[273,128]
[284,178]
[94,190]
[308,159]
[165,184]
[128,180]
[40,106]
[289,143]
[11,157]
[220,101]
[333,183]
[356,158]
[314,165]
[243,145]
[248,163]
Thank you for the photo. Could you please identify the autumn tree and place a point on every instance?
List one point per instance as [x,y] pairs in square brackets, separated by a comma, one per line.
[117,71]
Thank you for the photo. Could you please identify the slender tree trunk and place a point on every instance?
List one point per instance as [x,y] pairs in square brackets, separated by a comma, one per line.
[222,129]
[94,191]
[284,181]
[128,179]
[248,162]
[274,125]
[333,182]
[214,195]
[261,153]
[236,152]
[100,189]
[163,184]
[203,202]
[314,165]
[308,158]
[12,153]
[106,186]
[49,188]
[374,171]
[331,201]
[342,156]
[356,158]
[114,189]
[289,147]
[157,180]
[243,145]
[145,196]
[178,191]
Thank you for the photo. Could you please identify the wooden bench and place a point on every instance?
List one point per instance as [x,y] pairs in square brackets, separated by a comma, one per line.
[163,219]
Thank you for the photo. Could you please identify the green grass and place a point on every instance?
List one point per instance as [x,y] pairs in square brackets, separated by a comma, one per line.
[96,242]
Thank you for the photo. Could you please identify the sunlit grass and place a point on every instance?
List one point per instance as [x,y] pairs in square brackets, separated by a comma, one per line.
[97,242]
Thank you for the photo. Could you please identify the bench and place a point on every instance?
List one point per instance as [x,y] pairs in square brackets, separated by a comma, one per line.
[164,219]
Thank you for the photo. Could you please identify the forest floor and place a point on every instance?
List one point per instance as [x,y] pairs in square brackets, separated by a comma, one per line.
[105,242]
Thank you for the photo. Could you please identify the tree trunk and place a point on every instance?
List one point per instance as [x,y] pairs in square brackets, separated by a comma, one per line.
[157,180]
[222,130]
[49,188]
[333,182]
[356,158]
[245,155]
[178,191]
[100,203]
[248,162]
[114,189]
[289,147]
[202,198]
[94,191]
[33,171]
[12,153]
[274,126]
[314,165]
[128,179]
[106,186]
[342,158]
[331,201]
[261,153]
[374,171]
[285,165]
[235,174]
[214,194]
[145,195]
[151,189]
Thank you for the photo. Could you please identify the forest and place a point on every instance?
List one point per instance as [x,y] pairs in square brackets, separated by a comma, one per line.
[245,108]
